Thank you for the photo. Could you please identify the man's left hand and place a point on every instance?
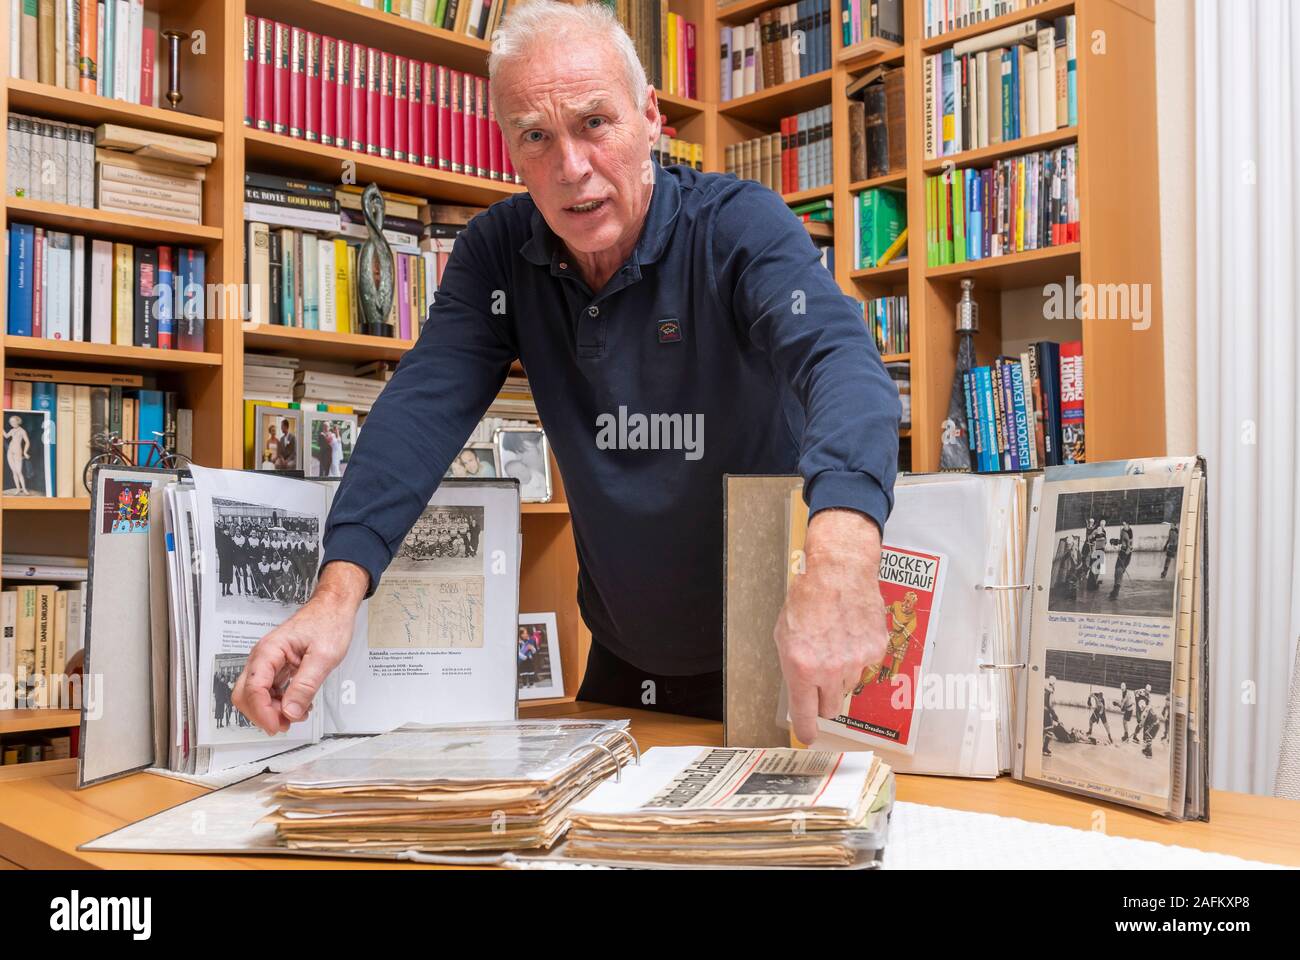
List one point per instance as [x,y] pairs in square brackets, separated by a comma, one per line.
[832,624]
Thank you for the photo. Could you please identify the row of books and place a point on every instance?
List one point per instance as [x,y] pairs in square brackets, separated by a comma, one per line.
[877,124]
[343,94]
[887,319]
[103,168]
[312,205]
[471,18]
[797,158]
[942,16]
[779,45]
[71,287]
[43,627]
[669,150]
[815,211]
[880,226]
[67,415]
[108,48]
[1016,82]
[877,18]
[664,41]
[900,372]
[1026,412]
[1029,202]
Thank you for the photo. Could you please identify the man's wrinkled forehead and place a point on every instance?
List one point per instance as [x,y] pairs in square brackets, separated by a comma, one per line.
[572,107]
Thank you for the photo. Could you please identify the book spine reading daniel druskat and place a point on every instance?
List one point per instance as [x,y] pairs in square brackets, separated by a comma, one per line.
[343,94]
[764,53]
[436,642]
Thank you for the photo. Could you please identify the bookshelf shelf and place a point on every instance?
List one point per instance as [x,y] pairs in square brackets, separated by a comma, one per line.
[1015,270]
[1046,11]
[890,180]
[869,53]
[784,100]
[890,273]
[387,31]
[820,230]
[986,155]
[812,193]
[320,344]
[678,108]
[895,357]
[44,503]
[109,225]
[276,153]
[25,721]
[108,354]
[27,96]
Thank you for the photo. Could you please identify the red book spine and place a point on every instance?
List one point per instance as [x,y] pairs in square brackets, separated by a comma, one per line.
[690,59]
[342,92]
[280,119]
[265,83]
[311,127]
[38,281]
[250,71]
[415,112]
[297,81]
[457,123]
[329,55]
[444,117]
[468,157]
[401,77]
[481,152]
[495,170]
[507,167]
[429,90]
[373,99]
[357,127]
[386,98]
[148,43]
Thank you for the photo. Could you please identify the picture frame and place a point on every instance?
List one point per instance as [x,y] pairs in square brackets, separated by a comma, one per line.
[28,453]
[269,449]
[476,461]
[524,454]
[321,458]
[540,672]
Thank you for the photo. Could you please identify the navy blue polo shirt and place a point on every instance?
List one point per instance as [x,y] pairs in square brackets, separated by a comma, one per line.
[723,317]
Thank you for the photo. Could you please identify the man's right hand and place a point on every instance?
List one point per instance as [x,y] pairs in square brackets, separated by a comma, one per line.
[289,664]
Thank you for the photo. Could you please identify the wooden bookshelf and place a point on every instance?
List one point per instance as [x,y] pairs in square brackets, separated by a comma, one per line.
[1119,199]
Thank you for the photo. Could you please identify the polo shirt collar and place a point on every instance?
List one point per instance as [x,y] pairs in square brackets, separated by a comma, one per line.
[543,247]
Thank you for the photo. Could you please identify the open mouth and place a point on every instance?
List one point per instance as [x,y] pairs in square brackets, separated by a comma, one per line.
[586,208]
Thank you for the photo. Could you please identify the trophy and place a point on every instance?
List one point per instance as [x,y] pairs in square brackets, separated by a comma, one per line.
[375,268]
[174,38]
[954,449]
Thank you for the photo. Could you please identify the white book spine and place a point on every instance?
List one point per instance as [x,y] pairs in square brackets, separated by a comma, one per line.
[78,287]
[328,318]
[121,49]
[101,291]
[87,166]
[8,645]
[1029,79]
[137,49]
[1046,80]
[99,48]
[73,68]
[13,150]
[15,47]
[58,247]
[174,185]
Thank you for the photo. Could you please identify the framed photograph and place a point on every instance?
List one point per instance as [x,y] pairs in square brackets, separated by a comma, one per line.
[476,461]
[522,453]
[332,437]
[28,437]
[540,674]
[278,443]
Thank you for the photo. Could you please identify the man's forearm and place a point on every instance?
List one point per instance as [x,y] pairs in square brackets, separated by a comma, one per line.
[343,585]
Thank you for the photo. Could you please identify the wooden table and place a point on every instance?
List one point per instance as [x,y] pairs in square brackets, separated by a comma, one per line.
[43,819]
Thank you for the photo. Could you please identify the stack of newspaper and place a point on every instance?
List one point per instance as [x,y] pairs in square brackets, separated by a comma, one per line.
[737,806]
[433,788]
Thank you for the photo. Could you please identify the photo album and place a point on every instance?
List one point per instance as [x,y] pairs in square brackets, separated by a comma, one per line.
[188,572]
[1083,589]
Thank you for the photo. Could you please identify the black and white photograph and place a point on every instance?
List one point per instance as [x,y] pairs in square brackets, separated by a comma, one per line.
[522,453]
[1106,719]
[475,462]
[28,450]
[332,436]
[280,438]
[540,675]
[1116,552]
[267,557]
[226,668]
[441,534]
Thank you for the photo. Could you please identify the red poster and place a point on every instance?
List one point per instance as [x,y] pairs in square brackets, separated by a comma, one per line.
[883,708]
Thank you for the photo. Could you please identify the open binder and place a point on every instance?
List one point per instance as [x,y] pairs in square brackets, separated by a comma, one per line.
[172,611]
[1011,656]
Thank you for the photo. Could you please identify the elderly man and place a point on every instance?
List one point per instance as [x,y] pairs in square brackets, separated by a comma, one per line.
[621,284]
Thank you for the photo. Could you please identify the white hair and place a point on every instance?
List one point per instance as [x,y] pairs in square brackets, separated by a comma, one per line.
[556,21]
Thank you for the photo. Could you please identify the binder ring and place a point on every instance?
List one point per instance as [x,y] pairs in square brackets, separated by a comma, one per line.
[1002,666]
[636,747]
[618,767]
[1003,586]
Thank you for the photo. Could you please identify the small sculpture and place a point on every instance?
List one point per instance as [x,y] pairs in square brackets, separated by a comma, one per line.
[375,267]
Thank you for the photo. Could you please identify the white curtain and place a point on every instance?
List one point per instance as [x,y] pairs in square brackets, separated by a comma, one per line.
[1248,367]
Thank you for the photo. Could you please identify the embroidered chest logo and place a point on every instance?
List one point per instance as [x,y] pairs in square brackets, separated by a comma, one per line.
[670,331]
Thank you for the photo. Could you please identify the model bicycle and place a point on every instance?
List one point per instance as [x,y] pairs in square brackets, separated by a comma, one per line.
[117,452]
